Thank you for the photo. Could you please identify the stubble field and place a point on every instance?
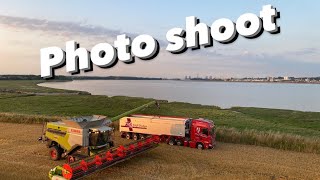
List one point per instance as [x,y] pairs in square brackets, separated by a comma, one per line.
[22,157]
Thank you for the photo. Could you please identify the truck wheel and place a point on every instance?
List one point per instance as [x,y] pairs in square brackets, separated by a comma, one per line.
[128,136]
[55,153]
[171,142]
[135,136]
[179,143]
[200,146]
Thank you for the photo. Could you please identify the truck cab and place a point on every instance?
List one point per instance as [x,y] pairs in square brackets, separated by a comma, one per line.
[202,134]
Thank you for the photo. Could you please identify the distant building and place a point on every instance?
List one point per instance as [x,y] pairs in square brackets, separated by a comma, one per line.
[287,78]
[271,79]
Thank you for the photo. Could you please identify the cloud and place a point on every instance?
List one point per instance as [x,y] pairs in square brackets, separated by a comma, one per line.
[217,60]
[306,51]
[98,33]
[46,25]
[66,29]
[299,55]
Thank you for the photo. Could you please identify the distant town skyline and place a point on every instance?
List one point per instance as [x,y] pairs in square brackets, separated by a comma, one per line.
[27,27]
[291,79]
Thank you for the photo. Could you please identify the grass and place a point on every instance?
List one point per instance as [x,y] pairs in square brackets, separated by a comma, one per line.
[271,139]
[27,119]
[289,119]
[28,86]
[282,129]
[70,105]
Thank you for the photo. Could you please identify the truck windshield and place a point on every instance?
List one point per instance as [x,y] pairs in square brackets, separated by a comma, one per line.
[98,138]
[205,131]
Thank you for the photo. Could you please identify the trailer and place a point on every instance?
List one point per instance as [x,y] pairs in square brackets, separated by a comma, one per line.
[195,133]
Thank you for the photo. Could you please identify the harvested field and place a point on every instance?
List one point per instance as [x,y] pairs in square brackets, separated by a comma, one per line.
[22,157]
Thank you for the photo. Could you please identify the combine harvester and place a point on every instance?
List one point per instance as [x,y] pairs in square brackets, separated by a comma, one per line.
[87,144]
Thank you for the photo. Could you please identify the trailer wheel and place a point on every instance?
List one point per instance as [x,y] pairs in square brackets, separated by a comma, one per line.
[135,136]
[123,134]
[55,153]
[200,146]
[142,136]
[171,141]
[128,136]
[179,143]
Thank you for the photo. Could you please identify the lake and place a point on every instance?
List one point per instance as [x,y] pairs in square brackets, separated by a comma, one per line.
[304,97]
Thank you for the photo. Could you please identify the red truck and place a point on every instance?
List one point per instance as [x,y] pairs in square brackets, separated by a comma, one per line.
[194,133]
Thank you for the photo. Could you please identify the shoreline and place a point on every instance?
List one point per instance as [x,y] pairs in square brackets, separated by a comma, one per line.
[203,104]
[213,81]
[284,82]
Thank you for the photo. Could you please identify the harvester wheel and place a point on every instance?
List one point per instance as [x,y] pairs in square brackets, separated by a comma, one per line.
[55,153]
[135,136]
[128,136]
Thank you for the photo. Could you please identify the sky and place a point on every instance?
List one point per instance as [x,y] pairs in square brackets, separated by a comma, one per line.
[28,26]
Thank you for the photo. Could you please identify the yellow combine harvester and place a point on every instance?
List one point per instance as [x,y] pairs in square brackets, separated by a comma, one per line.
[81,137]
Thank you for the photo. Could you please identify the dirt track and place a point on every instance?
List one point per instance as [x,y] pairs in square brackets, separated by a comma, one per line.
[22,157]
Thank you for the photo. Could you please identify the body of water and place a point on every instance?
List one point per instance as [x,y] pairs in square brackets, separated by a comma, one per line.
[304,97]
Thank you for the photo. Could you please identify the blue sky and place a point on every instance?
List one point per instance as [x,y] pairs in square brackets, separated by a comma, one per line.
[294,52]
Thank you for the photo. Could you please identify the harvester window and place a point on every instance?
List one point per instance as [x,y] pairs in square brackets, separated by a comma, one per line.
[98,138]
[205,131]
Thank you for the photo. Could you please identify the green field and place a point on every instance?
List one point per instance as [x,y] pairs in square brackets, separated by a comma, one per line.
[246,125]
[27,86]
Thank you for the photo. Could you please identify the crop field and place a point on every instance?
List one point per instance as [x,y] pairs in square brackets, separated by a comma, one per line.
[22,157]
